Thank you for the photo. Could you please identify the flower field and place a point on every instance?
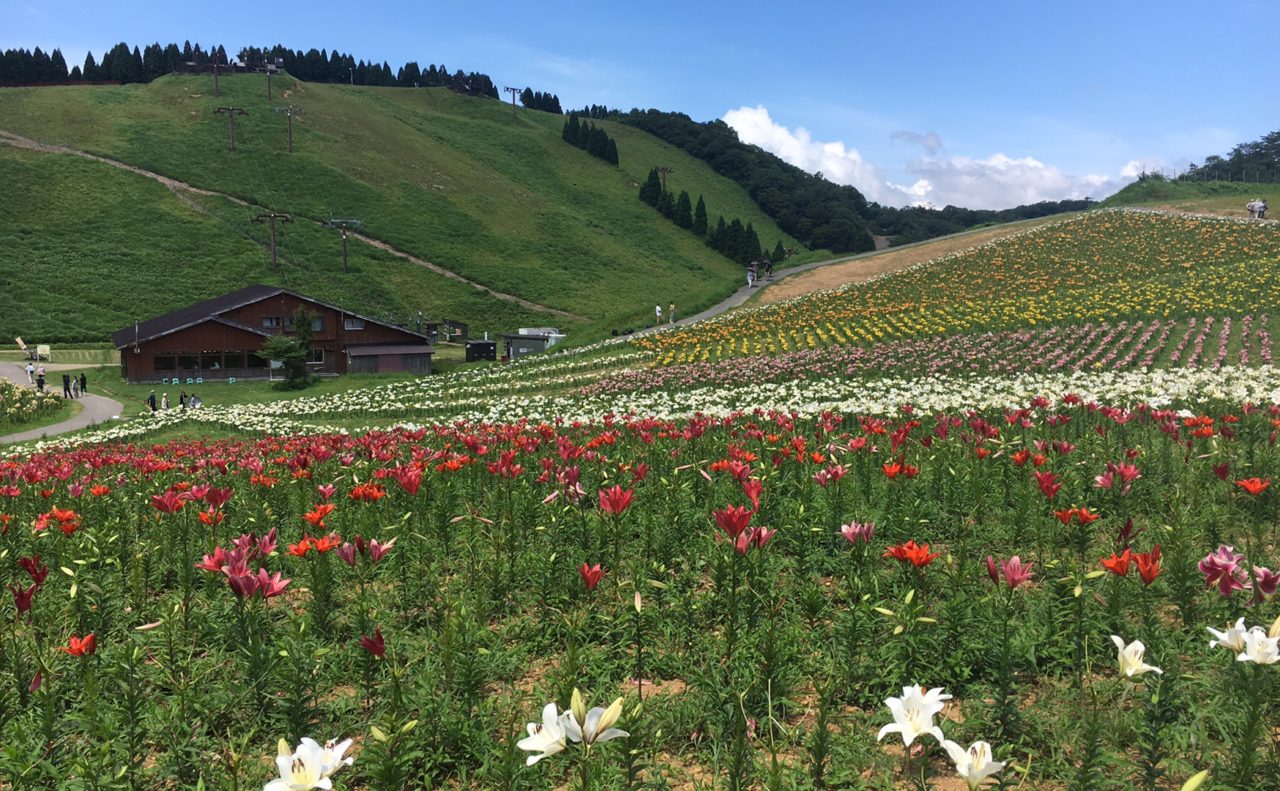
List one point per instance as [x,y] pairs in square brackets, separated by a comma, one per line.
[20,405]
[753,588]
[1007,519]
[1100,267]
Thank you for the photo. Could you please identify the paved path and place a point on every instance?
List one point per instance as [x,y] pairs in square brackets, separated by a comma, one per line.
[97,409]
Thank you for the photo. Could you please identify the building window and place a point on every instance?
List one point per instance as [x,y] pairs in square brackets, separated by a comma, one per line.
[288,323]
[270,322]
[188,362]
[255,361]
[234,359]
[165,362]
[211,361]
[352,323]
[317,324]
[317,357]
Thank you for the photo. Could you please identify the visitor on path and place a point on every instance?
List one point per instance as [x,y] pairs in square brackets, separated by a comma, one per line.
[40,381]
[40,370]
[182,400]
[1262,210]
[657,312]
[164,401]
[1252,206]
[195,402]
[671,313]
[768,269]
[66,385]
[75,387]
[751,282]
[151,402]
[84,383]
[31,374]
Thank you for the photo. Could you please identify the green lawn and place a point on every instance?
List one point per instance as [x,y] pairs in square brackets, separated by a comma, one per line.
[451,179]
[1211,197]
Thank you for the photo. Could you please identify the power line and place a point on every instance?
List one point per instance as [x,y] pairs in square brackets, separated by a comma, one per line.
[231,112]
[663,171]
[513,92]
[273,217]
[344,226]
[289,112]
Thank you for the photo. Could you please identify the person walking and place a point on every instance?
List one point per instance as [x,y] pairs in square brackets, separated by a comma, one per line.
[657,312]
[84,383]
[671,313]
[40,381]
[31,373]
[151,402]
[75,387]
[182,400]
[66,385]
[164,401]
[1262,209]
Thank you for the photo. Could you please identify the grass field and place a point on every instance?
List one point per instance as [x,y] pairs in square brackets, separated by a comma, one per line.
[1223,198]
[450,179]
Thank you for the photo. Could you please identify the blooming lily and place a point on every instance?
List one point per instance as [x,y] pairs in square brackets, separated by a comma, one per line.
[913,714]
[1130,657]
[1232,638]
[547,737]
[1259,647]
[974,765]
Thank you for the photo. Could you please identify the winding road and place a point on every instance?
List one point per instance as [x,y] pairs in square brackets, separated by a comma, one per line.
[97,409]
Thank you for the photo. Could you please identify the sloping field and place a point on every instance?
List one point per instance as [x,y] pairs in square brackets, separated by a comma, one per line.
[451,180]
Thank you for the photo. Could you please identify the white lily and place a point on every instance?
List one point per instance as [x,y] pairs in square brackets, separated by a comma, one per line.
[1233,638]
[974,765]
[1131,663]
[301,770]
[913,714]
[596,725]
[331,754]
[547,737]
[1259,648]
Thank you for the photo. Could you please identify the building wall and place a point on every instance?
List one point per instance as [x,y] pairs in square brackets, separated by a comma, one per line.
[191,349]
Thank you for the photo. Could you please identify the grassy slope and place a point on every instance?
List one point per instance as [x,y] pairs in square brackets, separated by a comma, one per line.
[451,179]
[1213,197]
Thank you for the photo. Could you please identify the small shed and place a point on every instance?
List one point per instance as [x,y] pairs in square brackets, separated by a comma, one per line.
[455,331]
[516,346]
[481,350]
[552,334]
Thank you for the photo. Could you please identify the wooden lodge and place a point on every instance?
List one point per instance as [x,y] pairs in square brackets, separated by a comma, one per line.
[221,338]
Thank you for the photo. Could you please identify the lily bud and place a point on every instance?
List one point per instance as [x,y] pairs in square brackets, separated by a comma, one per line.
[639,602]
[579,707]
[1274,631]
[610,716]
[283,748]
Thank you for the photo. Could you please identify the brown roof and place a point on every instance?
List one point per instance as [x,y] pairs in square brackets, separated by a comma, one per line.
[201,312]
[389,348]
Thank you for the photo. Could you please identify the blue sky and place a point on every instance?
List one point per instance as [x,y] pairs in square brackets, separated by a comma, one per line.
[977,104]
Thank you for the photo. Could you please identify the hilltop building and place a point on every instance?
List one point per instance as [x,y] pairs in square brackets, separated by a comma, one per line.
[220,339]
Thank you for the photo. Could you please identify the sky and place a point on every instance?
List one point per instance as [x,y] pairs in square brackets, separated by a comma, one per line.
[974,104]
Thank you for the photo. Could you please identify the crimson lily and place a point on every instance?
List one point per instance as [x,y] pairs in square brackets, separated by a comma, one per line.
[80,646]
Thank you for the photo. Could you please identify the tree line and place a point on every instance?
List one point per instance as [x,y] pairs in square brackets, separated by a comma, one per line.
[1257,161]
[537,100]
[590,138]
[128,65]
[734,240]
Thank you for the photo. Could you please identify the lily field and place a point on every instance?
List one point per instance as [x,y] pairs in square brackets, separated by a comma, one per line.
[1005,519]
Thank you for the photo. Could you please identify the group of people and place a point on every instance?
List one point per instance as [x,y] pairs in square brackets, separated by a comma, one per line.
[1257,209]
[184,402]
[753,272]
[657,314]
[72,386]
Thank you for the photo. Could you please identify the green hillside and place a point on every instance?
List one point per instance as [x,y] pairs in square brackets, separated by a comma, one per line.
[450,179]
[1215,197]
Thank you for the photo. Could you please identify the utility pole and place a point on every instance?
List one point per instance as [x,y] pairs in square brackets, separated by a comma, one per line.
[290,112]
[273,217]
[663,171]
[268,82]
[215,76]
[231,112]
[513,92]
[344,226]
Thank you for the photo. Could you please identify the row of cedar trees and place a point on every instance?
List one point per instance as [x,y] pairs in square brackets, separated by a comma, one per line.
[732,239]
[591,139]
[124,64]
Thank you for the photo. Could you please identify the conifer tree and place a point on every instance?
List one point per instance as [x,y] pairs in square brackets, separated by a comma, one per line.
[90,70]
[651,190]
[570,133]
[779,253]
[750,244]
[717,238]
[683,212]
[700,218]
[611,152]
[667,205]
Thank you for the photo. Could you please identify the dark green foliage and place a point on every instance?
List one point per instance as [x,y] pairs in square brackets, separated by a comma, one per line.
[779,253]
[700,218]
[651,190]
[667,205]
[293,351]
[593,140]
[537,100]
[1255,161]
[684,214]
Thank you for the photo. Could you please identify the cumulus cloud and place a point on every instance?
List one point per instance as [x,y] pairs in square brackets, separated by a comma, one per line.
[996,182]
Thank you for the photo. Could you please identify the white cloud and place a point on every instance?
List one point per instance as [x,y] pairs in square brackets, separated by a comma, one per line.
[996,182]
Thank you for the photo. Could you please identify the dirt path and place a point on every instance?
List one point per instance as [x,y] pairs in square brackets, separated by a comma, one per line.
[182,189]
[97,409]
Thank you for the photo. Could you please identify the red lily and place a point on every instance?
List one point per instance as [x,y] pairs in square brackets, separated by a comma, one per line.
[374,643]
[315,517]
[22,598]
[615,499]
[1118,564]
[733,520]
[1149,565]
[80,646]
[1048,483]
[910,552]
[590,575]
[168,503]
[1254,486]
[33,568]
